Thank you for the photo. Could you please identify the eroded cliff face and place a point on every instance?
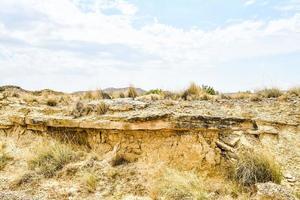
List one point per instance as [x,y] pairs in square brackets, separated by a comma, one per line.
[181,134]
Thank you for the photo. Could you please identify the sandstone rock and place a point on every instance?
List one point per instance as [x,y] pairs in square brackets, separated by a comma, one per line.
[231,139]
[224,146]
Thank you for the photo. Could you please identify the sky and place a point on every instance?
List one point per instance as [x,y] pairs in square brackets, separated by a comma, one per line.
[71,45]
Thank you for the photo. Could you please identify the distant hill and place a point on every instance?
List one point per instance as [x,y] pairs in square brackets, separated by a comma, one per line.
[112,90]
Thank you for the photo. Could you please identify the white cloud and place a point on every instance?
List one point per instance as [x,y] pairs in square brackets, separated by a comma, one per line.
[250,2]
[73,38]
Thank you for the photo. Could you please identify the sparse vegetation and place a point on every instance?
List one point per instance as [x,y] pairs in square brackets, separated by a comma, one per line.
[90,181]
[121,95]
[49,158]
[255,167]
[193,90]
[4,156]
[155,91]
[176,185]
[294,91]
[270,93]
[102,108]
[209,90]
[51,102]
[132,93]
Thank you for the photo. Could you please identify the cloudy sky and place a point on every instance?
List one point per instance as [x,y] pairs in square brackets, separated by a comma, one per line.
[74,45]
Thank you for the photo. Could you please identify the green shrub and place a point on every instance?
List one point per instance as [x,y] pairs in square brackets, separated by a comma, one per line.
[209,90]
[49,158]
[155,91]
[255,167]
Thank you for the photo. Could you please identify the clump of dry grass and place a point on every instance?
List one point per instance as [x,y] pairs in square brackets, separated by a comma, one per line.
[49,158]
[95,95]
[255,167]
[192,90]
[270,93]
[102,108]
[295,91]
[90,181]
[4,156]
[176,185]
[51,102]
[121,95]
[255,98]
[132,93]
[84,110]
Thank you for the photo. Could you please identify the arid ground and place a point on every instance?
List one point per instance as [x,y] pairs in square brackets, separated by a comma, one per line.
[136,145]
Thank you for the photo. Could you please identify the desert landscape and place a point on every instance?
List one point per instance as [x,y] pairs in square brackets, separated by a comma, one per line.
[131,144]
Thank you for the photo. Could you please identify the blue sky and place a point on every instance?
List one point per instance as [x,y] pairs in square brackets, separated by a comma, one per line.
[74,45]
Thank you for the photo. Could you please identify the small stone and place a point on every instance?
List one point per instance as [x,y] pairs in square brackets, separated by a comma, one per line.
[292,180]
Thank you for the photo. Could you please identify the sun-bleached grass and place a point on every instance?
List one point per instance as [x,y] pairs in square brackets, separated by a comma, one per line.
[132,93]
[294,91]
[176,185]
[49,158]
[255,167]
[89,181]
[4,156]
[269,92]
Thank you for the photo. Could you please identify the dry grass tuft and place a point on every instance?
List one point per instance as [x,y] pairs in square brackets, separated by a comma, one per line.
[121,95]
[4,156]
[270,93]
[175,185]
[132,93]
[294,91]
[50,158]
[255,167]
[51,102]
[102,108]
[193,90]
[90,181]
[84,110]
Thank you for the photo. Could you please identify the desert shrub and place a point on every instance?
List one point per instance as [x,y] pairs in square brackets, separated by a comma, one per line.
[192,90]
[171,95]
[84,110]
[102,108]
[175,185]
[49,158]
[294,91]
[155,91]
[209,90]
[241,95]
[132,93]
[104,95]
[51,102]
[90,181]
[255,167]
[255,98]
[121,95]
[270,92]
[4,157]
[94,95]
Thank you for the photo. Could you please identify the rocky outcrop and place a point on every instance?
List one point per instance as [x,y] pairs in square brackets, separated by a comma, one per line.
[187,134]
